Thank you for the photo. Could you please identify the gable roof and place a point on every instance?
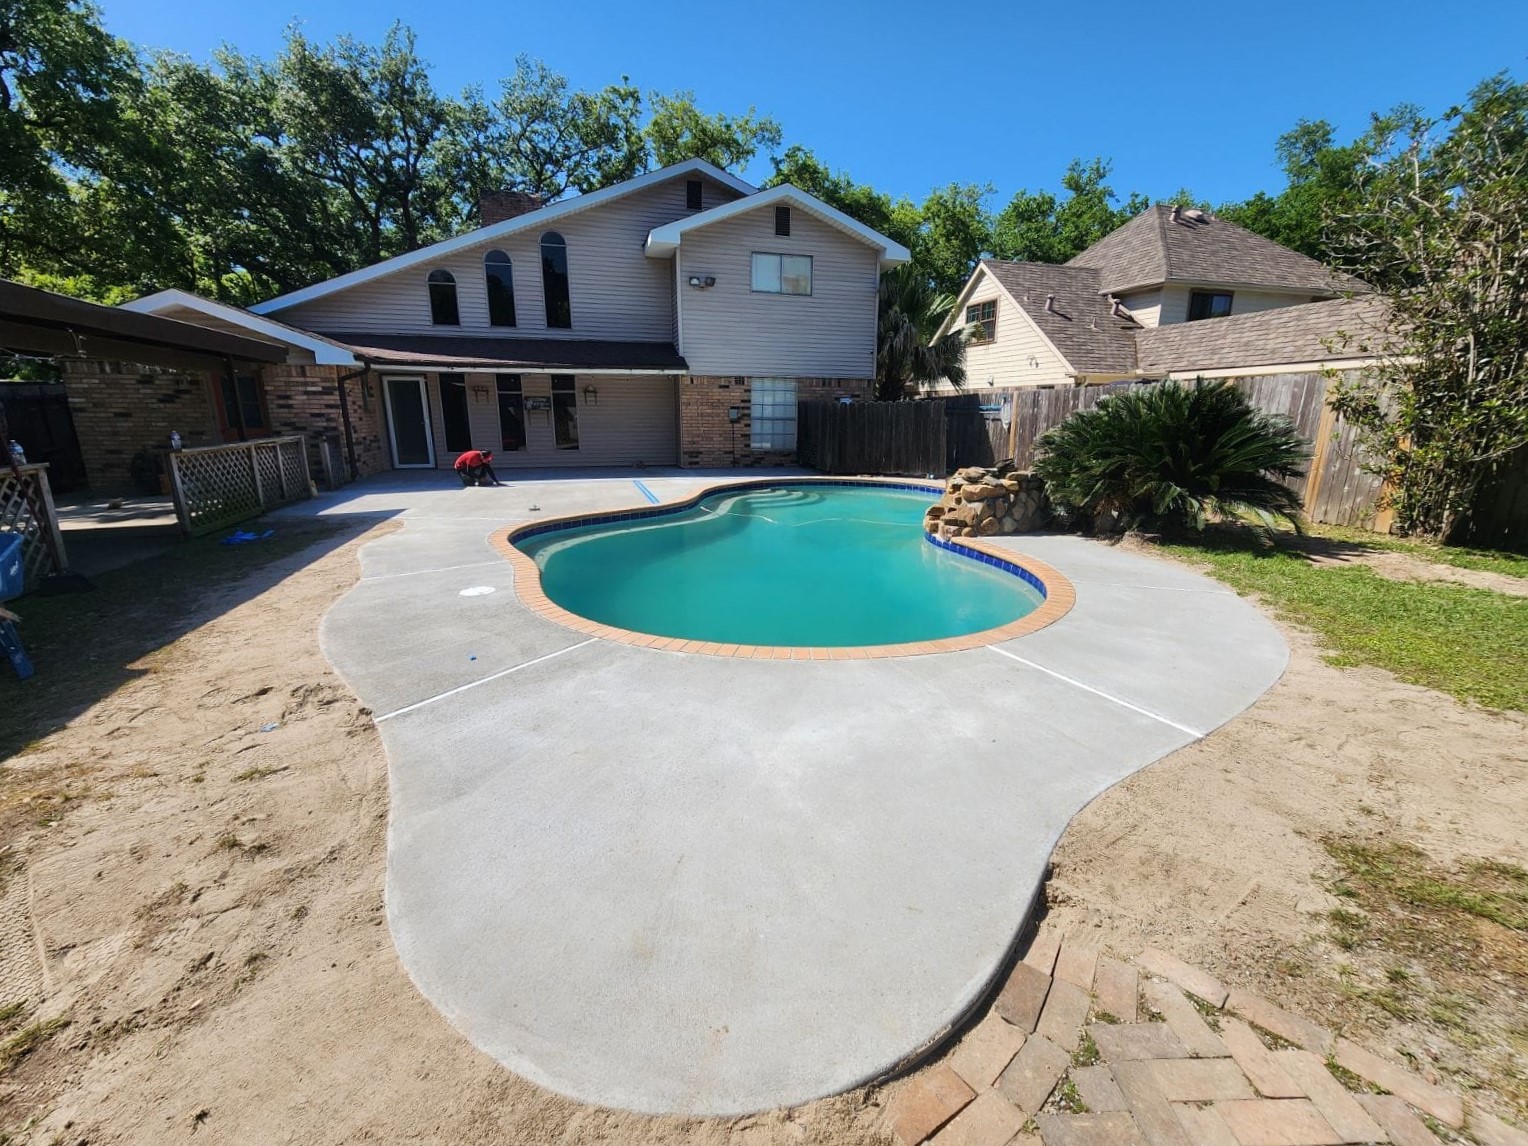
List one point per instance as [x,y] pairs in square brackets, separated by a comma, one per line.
[1080,323]
[663,241]
[1334,330]
[1153,249]
[326,352]
[537,218]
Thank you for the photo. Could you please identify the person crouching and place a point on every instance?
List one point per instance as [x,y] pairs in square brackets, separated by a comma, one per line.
[475,467]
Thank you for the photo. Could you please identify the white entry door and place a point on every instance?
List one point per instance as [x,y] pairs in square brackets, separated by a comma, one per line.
[408,423]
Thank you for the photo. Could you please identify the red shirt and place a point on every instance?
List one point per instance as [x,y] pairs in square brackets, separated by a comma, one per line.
[471,458]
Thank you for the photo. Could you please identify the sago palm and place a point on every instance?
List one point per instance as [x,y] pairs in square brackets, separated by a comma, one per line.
[907,353]
[1170,455]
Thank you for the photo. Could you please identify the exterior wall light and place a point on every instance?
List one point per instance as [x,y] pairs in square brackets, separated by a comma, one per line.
[734,414]
[591,395]
[702,282]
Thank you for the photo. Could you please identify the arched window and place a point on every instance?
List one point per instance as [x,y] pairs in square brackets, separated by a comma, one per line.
[554,281]
[501,288]
[443,310]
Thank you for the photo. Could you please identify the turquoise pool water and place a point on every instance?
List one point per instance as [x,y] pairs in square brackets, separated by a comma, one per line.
[790,564]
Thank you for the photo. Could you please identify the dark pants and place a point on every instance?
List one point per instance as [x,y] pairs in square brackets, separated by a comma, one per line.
[479,475]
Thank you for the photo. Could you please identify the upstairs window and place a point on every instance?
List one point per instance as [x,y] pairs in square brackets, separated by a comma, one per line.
[554,281]
[1208,304]
[443,310]
[783,221]
[692,194]
[982,316]
[782,274]
[500,278]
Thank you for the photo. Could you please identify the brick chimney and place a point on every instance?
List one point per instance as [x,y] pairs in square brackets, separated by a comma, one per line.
[496,206]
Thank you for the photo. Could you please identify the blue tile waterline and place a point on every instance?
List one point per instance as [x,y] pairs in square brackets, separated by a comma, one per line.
[816,563]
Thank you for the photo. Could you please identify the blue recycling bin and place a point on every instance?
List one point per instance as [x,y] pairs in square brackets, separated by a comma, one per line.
[12,582]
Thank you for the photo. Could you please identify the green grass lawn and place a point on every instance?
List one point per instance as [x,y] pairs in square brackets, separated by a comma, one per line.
[1470,643]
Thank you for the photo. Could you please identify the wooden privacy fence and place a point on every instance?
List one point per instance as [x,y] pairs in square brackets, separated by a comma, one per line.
[872,437]
[975,433]
[26,507]
[1335,489]
[216,486]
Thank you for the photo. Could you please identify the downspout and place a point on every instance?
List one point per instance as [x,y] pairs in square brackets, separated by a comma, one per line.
[355,470]
[238,401]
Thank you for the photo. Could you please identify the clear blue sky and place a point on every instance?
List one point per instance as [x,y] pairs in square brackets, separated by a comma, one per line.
[908,96]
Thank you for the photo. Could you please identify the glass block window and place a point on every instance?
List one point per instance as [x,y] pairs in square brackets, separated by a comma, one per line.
[772,414]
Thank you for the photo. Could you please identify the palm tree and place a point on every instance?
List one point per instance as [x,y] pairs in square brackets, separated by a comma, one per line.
[907,353]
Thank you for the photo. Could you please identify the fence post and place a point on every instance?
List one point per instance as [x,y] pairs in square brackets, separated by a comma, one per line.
[254,472]
[178,493]
[307,472]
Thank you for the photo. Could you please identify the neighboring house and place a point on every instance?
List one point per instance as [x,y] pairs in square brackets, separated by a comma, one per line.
[676,318]
[1166,293]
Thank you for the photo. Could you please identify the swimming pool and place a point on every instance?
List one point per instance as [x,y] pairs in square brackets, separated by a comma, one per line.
[825,564]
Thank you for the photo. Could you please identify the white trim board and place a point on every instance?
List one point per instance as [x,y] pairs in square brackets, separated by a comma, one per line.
[325,352]
[531,219]
[663,241]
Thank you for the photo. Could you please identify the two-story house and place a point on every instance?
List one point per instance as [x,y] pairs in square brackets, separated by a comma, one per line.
[676,318]
[1104,316]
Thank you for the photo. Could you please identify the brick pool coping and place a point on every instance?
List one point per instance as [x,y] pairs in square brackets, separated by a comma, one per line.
[1057,591]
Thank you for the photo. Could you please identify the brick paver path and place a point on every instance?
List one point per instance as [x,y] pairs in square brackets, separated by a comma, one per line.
[1081,1049]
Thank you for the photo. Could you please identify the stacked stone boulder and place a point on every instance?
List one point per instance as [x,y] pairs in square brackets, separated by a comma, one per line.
[985,501]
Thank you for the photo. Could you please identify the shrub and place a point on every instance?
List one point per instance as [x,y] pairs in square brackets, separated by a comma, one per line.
[1174,456]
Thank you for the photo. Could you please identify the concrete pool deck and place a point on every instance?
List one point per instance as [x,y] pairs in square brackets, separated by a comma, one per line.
[678,883]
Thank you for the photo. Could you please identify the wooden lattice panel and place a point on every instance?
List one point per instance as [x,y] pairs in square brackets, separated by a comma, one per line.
[24,506]
[222,485]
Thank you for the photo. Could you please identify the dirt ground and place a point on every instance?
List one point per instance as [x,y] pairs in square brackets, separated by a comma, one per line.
[192,872]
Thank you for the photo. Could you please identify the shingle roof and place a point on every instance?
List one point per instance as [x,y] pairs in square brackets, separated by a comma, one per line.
[1310,332]
[1152,249]
[1080,323]
[464,352]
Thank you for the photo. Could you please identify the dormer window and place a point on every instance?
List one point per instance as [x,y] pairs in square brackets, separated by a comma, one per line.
[783,221]
[1208,304]
[554,281]
[499,277]
[443,312]
[692,197]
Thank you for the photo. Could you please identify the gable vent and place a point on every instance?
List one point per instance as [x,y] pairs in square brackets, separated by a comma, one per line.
[692,194]
[783,220]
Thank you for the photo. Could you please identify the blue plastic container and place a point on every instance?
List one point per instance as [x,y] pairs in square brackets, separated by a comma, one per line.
[12,572]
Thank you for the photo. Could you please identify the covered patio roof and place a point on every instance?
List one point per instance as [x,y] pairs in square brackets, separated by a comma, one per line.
[438,352]
[34,321]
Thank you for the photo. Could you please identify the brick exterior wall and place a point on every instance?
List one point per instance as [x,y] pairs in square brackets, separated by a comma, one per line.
[120,408]
[305,400]
[707,439]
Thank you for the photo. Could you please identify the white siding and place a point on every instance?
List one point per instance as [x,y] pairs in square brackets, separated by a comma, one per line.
[1175,301]
[1018,356]
[617,292]
[729,329]
[633,421]
[1145,305]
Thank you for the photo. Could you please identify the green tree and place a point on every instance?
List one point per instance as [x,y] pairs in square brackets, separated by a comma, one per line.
[678,130]
[545,138]
[63,80]
[364,121]
[1039,227]
[911,312]
[898,219]
[1441,226]
[955,231]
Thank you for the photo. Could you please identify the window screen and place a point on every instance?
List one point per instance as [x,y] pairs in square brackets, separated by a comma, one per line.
[772,414]
[781,274]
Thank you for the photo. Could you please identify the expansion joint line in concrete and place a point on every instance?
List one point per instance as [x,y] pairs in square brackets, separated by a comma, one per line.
[437,569]
[1194,732]
[407,708]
